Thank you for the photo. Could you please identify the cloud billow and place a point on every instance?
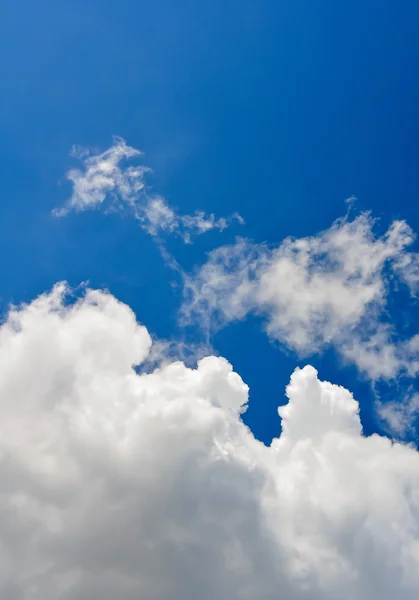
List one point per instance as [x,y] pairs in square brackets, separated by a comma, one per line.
[128,485]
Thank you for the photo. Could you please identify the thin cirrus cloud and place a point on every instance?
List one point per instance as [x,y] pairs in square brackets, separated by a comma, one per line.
[107,177]
[330,289]
[129,485]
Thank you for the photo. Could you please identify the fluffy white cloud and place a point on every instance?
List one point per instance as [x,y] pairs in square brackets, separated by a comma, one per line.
[327,289]
[106,176]
[117,484]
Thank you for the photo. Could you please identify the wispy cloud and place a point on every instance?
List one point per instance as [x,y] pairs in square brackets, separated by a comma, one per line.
[158,217]
[108,177]
[399,416]
[104,176]
[328,289]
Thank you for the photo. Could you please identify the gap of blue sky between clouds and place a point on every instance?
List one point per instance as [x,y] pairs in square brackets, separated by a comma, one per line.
[121,483]
[330,289]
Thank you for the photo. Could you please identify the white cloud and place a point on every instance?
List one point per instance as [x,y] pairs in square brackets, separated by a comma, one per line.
[106,176]
[116,484]
[408,269]
[327,289]
[158,217]
[399,416]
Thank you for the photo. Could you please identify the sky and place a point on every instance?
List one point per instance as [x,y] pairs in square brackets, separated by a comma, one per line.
[237,182]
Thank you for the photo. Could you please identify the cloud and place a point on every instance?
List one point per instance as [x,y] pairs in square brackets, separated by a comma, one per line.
[106,176]
[328,289]
[103,175]
[158,217]
[120,484]
[400,416]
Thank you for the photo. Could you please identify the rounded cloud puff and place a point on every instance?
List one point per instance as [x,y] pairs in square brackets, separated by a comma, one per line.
[116,484]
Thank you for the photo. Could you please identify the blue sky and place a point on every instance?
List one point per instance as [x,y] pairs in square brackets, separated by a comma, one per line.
[266,237]
[277,110]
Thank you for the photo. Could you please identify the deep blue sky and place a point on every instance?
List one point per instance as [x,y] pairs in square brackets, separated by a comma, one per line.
[280,110]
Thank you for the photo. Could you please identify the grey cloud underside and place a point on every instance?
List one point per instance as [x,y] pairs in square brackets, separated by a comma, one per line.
[120,485]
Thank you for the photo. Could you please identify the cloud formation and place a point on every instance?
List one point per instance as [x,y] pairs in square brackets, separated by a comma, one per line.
[328,289]
[117,484]
[106,176]
[158,217]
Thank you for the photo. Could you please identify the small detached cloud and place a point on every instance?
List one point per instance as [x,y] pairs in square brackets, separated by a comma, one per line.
[128,485]
[103,176]
[108,177]
[400,416]
[158,217]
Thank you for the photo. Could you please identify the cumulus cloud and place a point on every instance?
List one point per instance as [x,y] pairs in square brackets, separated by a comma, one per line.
[330,288]
[121,484]
[108,176]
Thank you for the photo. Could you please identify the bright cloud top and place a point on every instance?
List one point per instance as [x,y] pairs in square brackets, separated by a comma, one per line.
[106,176]
[116,484]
